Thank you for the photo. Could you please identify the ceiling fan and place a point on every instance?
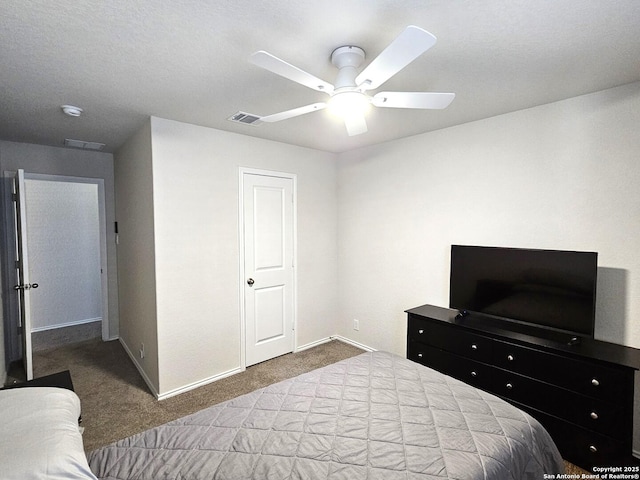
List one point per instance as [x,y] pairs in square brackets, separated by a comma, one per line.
[348,95]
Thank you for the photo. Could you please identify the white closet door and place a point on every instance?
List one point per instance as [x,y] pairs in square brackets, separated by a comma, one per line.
[268,262]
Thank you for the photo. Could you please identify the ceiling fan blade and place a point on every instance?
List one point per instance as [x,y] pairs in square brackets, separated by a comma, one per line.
[356,124]
[286,70]
[407,46]
[276,117]
[413,99]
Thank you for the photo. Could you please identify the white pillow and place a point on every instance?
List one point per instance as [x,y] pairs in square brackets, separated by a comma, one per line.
[39,435]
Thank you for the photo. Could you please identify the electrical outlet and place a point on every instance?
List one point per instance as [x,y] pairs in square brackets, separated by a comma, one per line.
[142,350]
[356,324]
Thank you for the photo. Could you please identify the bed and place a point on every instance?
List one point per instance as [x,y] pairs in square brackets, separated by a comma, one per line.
[39,435]
[373,416]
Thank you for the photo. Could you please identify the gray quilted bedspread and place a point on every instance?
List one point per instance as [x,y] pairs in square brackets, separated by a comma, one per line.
[373,416]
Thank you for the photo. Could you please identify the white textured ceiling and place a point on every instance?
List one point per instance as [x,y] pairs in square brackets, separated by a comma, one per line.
[187,60]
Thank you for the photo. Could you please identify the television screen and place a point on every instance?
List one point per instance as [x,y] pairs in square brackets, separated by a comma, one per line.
[552,288]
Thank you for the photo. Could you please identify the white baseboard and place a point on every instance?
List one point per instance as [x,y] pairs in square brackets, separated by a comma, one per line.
[177,391]
[199,383]
[340,338]
[68,324]
[352,342]
[307,346]
[220,376]
[143,374]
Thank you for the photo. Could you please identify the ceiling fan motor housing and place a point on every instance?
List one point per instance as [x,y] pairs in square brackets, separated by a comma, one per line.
[347,59]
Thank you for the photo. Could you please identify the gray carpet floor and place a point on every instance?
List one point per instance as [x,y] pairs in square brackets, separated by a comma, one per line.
[116,402]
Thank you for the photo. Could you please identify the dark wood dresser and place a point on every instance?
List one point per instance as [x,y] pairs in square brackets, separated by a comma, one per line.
[582,393]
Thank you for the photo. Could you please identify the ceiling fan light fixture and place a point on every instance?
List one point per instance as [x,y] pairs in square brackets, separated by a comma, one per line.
[344,104]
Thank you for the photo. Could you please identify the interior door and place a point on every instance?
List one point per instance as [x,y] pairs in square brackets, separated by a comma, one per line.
[23,288]
[268,266]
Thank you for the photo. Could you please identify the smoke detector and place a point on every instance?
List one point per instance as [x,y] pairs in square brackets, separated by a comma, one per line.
[71,110]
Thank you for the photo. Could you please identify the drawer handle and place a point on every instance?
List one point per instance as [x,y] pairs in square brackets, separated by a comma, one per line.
[511,358]
[594,415]
[421,331]
[509,386]
[595,382]
[593,449]
[473,373]
[474,346]
[420,355]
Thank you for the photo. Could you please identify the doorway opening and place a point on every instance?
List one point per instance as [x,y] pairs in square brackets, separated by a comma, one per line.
[64,229]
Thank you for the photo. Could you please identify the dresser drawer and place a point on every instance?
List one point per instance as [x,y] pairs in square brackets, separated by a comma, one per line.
[451,339]
[581,446]
[587,412]
[588,378]
[473,373]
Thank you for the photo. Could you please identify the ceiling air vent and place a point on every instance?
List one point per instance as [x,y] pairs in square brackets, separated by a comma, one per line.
[83,145]
[246,118]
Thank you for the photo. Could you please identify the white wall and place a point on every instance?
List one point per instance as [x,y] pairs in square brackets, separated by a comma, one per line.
[195,175]
[136,253]
[560,176]
[64,253]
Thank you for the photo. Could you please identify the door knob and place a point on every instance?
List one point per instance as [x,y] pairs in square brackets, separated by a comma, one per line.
[27,286]
[250,282]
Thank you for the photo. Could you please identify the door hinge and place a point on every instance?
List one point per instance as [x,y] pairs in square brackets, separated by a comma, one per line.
[14,197]
[20,329]
[17,264]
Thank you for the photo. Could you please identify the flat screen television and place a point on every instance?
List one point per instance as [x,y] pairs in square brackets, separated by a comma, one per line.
[554,289]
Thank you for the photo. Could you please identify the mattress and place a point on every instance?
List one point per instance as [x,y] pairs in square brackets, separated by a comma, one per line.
[373,416]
